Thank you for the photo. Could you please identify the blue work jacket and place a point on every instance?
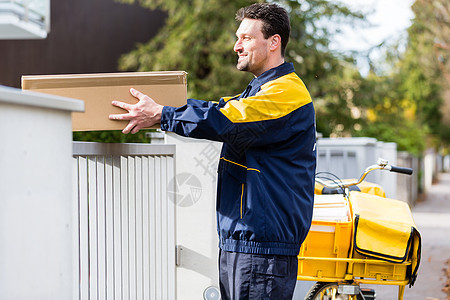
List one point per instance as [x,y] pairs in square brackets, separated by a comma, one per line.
[266,170]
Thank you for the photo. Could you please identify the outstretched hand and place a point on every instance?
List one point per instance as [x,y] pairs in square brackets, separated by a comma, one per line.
[143,114]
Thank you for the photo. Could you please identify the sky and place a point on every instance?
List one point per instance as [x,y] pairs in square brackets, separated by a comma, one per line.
[389,19]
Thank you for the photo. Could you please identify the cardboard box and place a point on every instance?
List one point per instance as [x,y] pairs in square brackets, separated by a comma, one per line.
[99,90]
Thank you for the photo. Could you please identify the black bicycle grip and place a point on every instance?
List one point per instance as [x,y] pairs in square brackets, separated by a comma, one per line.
[407,171]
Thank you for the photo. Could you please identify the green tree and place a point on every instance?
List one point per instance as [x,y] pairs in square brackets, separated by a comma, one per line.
[423,79]
[112,136]
[198,37]
[401,101]
[387,115]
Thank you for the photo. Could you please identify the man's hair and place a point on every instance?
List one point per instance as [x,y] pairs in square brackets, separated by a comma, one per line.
[275,20]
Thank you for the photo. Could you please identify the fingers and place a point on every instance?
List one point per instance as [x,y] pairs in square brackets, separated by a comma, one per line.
[137,94]
[131,127]
[122,105]
[135,129]
[126,117]
[136,114]
[128,128]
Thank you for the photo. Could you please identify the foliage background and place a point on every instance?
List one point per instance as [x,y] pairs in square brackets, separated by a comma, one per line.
[400,100]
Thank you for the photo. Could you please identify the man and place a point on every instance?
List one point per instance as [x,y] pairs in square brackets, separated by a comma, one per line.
[267,165]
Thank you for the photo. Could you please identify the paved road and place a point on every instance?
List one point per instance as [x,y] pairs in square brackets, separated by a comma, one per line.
[432,217]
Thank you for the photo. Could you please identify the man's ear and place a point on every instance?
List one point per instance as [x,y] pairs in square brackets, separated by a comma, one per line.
[275,42]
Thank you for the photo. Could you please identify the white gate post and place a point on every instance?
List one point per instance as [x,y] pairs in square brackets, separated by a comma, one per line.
[36,199]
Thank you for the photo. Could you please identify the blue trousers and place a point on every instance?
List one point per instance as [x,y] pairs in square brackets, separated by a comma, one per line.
[255,276]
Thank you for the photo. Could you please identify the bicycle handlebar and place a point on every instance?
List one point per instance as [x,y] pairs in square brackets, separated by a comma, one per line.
[382,165]
[407,171]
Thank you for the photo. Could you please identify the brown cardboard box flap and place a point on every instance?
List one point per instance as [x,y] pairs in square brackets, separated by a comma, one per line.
[102,79]
[98,90]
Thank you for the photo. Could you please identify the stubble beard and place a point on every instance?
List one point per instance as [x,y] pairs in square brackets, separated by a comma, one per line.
[242,65]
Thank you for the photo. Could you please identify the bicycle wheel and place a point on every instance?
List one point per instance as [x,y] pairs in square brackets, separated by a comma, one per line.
[327,291]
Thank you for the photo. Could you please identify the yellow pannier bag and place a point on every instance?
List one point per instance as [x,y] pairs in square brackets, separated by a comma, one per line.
[384,229]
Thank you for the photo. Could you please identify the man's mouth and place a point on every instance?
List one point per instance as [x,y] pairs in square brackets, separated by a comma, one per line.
[241,56]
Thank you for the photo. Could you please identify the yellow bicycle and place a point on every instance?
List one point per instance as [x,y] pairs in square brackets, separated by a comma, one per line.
[358,236]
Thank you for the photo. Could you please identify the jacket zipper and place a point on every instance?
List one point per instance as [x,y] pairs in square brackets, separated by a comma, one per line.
[242,197]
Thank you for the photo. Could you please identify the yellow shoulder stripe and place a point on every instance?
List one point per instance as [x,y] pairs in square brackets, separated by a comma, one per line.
[276,99]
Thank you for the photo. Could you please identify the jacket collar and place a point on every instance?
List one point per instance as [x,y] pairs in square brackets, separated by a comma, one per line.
[269,75]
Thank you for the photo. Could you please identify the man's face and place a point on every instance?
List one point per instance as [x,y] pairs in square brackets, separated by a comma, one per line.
[251,47]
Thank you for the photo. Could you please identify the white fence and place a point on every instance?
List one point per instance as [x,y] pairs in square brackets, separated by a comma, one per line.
[36,228]
[349,157]
[126,222]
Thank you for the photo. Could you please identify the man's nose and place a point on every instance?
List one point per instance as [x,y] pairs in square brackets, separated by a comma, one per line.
[237,46]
